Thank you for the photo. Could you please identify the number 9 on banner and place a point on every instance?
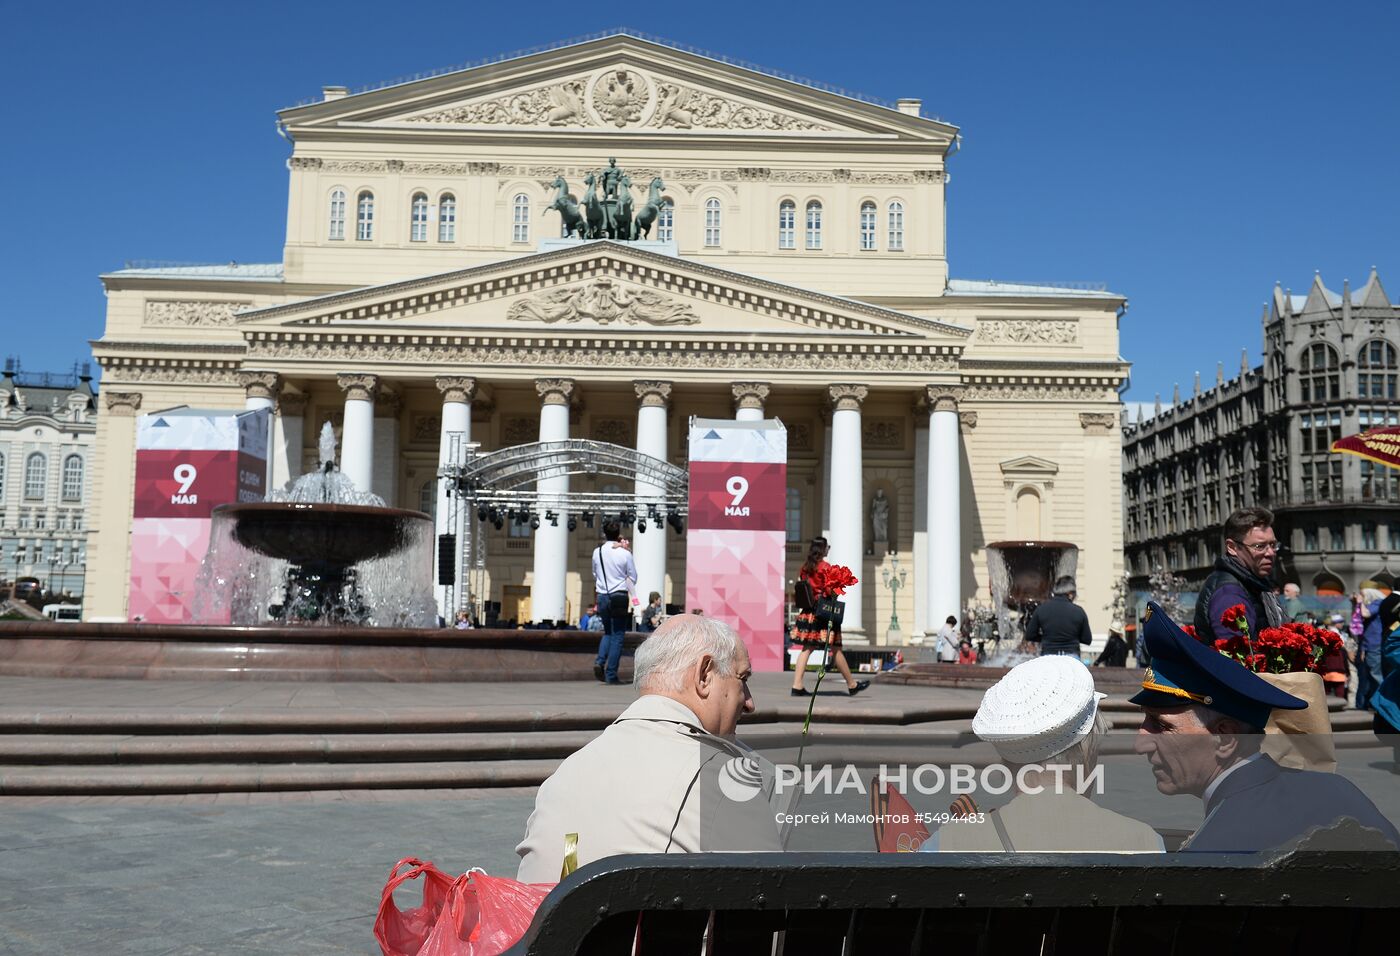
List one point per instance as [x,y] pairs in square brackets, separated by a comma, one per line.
[185,474]
[738,487]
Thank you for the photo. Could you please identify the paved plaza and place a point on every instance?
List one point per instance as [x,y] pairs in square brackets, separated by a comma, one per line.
[279,872]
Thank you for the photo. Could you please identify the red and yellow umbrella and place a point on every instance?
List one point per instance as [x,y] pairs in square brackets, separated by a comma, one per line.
[1379,445]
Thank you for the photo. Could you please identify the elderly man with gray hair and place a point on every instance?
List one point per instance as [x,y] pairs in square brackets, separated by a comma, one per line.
[651,782]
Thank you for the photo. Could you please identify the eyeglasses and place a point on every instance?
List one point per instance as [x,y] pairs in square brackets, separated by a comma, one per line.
[1262,547]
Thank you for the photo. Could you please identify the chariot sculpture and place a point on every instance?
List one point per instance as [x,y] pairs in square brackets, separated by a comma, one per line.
[608,210]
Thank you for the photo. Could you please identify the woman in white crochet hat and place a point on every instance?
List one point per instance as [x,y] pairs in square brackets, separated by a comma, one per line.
[1042,715]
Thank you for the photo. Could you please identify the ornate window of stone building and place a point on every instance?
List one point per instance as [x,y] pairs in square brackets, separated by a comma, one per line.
[712,223]
[418,218]
[814,225]
[36,475]
[895,240]
[1368,536]
[364,216]
[520,218]
[1377,417]
[447,218]
[1318,431]
[1376,370]
[787,224]
[1318,379]
[794,515]
[1379,482]
[427,497]
[337,217]
[1029,482]
[867,226]
[666,221]
[73,478]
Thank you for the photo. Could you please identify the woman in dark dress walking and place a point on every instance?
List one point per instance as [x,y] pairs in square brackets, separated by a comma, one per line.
[809,632]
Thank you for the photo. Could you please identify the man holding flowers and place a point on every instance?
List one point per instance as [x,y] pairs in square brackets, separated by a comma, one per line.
[1241,577]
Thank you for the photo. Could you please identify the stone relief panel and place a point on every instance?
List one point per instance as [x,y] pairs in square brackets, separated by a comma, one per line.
[559,105]
[1028,331]
[604,302]
[684,107]
[620,97]
[190,312]
[800,436]
[355,166]
[617,431]
[425,428]
[519,431]
[883,433]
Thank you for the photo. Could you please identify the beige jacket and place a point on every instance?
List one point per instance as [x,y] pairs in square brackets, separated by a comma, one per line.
[1051,823]
[653,782]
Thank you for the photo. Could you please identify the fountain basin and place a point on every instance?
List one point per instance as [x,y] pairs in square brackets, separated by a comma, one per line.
[304,533]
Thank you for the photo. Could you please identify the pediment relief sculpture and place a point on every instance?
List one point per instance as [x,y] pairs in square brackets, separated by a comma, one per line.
[605,302]
[618,98]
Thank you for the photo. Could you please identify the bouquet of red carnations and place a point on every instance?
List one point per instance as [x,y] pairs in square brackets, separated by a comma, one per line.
[1289,648]
[831,580]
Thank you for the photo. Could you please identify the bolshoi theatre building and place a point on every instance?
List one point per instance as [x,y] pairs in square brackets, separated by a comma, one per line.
[790,263]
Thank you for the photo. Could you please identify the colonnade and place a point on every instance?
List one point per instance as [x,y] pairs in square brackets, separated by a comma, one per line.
[942,541]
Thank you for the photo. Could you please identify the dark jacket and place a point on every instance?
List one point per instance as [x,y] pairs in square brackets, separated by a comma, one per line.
[1262,806]
[1115,652]
[1059,625]
[1226,586]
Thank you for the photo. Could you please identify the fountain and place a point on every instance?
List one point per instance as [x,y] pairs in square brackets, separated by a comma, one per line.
[322,553]
[1022,575]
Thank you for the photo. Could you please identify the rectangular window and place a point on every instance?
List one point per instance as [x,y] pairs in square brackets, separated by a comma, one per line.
[794,515]
[787,226]
[867,227]
[447,220]
[1339,540]
[337,226]
[1309,539]
[666,222]
[364,218]
[814,225]
[895,241]
[712,223]
[41,521]
[418,223]
[1368,536]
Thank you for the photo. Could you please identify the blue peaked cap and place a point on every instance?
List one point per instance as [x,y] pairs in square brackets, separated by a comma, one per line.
[1185,671]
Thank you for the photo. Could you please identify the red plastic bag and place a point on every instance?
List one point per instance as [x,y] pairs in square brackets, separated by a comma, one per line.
[473,915]
[485,915]
[402,932]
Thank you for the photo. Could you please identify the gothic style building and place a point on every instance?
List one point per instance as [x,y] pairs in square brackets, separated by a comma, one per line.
[797,269]
[1264,438]
[47,424]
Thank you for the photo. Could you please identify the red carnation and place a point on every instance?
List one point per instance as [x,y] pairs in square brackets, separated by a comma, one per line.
[831,580]
[1190,629]
[1236,619]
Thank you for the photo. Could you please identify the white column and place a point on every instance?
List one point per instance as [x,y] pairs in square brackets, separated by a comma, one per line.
[748,400]
[921,574]
[291,432]
[260,391]
[357,432]
[455,432]
[649,546]
[944,507]
[848,501]
[547,592]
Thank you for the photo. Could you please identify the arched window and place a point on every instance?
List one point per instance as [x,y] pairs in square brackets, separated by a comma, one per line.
[895,239]
[666,222]
[447,218]
[36,475]
[794,515]
[73,478]
[364,216]
[712,223]
[418,218]
[814,225]
[1318,379]
[520,218]
[867,226]
[1028,514]
[427,498]
[787,225]
[1376,370]
[337,220]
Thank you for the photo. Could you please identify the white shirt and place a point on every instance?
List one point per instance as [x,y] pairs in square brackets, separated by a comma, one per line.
[613,567]
[947,649]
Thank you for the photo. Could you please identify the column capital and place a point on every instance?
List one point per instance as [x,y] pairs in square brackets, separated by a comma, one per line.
[943,398]
[388,402]
[260,383]
[291,403]
[653,394]
[749,394]
[1098,423]
[968,420]
[846,397]
[555,391]
[122,404]
[358,386]
[456,388]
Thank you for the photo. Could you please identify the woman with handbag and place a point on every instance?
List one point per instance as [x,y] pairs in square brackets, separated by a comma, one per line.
[809,632]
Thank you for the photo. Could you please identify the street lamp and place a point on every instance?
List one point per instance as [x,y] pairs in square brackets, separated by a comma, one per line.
[895,578]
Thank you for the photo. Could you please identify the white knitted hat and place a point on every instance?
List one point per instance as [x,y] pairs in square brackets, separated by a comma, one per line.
[1041,707]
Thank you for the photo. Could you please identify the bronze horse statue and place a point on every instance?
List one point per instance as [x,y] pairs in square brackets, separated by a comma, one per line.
[592,209]
[650,212]
[573,219]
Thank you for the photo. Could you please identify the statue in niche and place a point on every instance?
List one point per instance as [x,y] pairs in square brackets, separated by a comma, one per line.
[880,516]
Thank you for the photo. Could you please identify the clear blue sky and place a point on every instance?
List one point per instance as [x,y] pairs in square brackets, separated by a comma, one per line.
[1187,154]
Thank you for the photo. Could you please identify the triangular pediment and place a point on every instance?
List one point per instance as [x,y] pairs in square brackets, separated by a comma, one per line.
[1030,467]
[620,84]
[608,289]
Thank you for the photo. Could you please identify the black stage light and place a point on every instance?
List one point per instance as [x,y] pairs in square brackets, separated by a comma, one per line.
[493,516]
[674,520]
[588,519]
[499,524]
[534,522]
[573,523]
[510,514]
[653,514]
[552,518]
[642,525]
[481,513]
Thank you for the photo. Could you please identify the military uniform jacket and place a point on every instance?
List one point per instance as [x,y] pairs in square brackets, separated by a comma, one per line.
[1050,822]
[650,783]
[1262,806]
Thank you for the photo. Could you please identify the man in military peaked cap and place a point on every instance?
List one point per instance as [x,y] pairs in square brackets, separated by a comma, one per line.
[1202,727]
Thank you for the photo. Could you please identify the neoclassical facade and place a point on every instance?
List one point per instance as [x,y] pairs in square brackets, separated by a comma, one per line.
[797,270]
